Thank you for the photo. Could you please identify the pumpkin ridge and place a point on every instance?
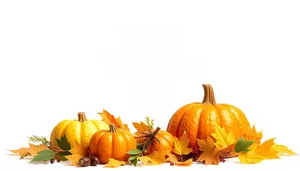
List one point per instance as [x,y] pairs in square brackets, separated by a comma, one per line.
[241,118]
[162,137]
[109,149]
[126,143]
[178,126]
[188,122]
[172,126]
[234,124]
[62,125]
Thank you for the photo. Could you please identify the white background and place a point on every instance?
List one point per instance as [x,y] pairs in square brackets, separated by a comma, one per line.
[139,58]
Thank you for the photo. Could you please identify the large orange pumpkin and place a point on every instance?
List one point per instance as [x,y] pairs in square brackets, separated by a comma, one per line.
[112,144]
[161,140]
[199,119]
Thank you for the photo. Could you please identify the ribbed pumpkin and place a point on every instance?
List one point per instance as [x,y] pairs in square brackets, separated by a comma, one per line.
[80,130]
[162,140]
[112,144]
[199,119]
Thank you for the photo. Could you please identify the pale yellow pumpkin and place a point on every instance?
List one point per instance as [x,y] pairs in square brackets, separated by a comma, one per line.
[80,130]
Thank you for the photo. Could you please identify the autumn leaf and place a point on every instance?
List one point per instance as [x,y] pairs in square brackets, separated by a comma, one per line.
[252,134]
[173,158]
[250,157]
[181,146]
[258,152]
[140,127]
[77,152]
[242,145]
[228,151]
[34,149]
[282,150]
[211,153]
[110,119]
[22,152]
[266,151]
[223,139]
[156,157]
[44,155]
[114,163]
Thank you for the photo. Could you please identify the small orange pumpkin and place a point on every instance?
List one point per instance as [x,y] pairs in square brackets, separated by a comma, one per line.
[112,144]
[161,140]
[199,119]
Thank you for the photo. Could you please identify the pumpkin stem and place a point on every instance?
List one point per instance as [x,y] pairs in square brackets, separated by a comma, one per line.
[156,131]
[209,96]
[81,117]
[112,128]
[212,96]
[206,98]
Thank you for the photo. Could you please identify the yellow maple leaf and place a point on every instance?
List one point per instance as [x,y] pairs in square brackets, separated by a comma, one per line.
[252,134]
[110,119]
[283,150]
[77,152]
[140,127]
[250,157]
[156,157]
[258,152]
[181,146]
[22,152]
[114,163]
[223,139]
[34,149]
[265,150]
[211,153]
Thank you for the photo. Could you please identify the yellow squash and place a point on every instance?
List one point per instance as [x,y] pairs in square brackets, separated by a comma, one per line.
[80,130]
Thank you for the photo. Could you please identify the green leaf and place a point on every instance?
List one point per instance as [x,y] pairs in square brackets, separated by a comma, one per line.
[134,152]
[132,158]
[62,155]
[63,158]
[44,155]
[242,145]
[134,162]
[63,143]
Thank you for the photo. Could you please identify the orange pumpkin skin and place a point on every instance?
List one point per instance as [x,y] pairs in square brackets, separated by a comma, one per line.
[112,144]
[199,119]
[163,141]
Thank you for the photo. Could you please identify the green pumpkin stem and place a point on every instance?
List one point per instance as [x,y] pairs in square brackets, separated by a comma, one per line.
[81,117]
[112,128]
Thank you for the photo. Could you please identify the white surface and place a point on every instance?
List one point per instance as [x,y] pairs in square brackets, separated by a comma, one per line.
[137,58]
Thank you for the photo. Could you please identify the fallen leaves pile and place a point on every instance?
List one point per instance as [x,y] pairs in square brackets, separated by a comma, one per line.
[219,145]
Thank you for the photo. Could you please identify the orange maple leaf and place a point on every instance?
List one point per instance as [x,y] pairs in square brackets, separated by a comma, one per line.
[211,153]
[140,127]
[22,152]
[35,149]
[156,157]
[228,152]
[252,134]
[110,119]
[173,158]
[77,152]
